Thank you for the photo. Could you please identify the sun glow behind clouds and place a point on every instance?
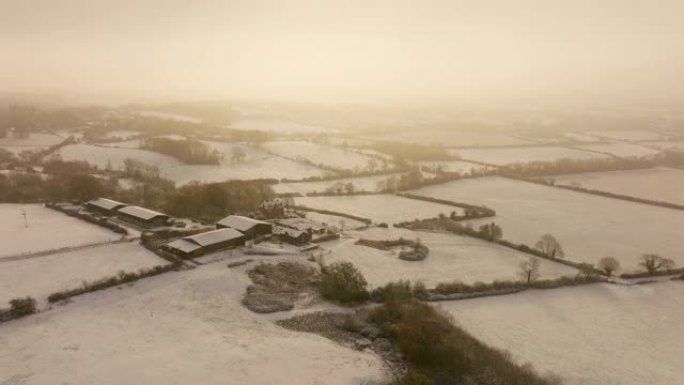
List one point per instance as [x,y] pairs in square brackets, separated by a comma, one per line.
[344,50]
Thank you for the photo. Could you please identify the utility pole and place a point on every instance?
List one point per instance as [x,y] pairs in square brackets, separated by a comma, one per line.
[25,218]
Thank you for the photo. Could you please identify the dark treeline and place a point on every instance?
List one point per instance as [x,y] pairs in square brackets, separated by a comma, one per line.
[188,150]
[412,151]
[572,166]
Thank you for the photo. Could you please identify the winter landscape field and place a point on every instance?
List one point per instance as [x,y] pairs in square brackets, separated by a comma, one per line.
[110,157]
[588,227]
[593,335]
[142,333]
[504,156]
[328,156]
[658,184]
[45,229]
[451,258]
[33,142]
[379,208]
[43,275]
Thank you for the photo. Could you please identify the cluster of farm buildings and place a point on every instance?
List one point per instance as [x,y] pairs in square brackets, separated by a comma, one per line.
[231,231]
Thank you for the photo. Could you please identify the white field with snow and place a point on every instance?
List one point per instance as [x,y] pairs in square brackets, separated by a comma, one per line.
[41,276]
[598,334]
[47,230]
[379,208]
[34,142]
[588,226]
[451,258]
[363,183]
[665,145]
[659,183]
[450,138]
[453,166]
[621,149]
[510,155]
[178,328]
[103,157]
[319,154]
[630,135]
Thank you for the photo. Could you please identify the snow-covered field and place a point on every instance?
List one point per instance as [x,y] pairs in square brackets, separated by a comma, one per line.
[134,143]
[334,220]
[667,145]
[588,226]
[33,142]
[598,334]
[104,157]
[320,154]
[364,183]
[629,135]
[280,126]
[509,155]
[451,258]
[47,230]
[620,149]
[449,138]
[379,208]
[659,184]
[178,328]
[41,276]
[256,164]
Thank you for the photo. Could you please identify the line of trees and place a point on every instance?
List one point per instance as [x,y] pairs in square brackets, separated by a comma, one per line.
[190,151]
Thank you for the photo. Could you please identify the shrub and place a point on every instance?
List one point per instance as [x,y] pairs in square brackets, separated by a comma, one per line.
[20,307]
[343,282]
[401,291]
[608,265]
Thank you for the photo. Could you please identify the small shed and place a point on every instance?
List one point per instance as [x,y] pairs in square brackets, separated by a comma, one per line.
[143,217]
[250,227]
[104,206]
[292,236]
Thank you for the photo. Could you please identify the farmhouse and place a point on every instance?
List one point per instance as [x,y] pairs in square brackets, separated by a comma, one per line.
[142,217]
[104,206]
[250,227]
[292,236]
[199,244]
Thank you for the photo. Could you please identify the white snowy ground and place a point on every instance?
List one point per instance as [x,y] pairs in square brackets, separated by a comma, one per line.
[659,183]
[587,226]
[279,126]
[41,276]
[319,154]
[451,258]
[450,138]
[256,164]
[334,220]
[178,328]
[509,155]
[597,334]
[364,183]
[379,208]
[104,157]
[47,230]
[453,166]
[34,142]
[621,149]
[629,135]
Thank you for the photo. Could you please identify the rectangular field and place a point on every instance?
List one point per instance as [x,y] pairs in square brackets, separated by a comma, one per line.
[621,149]
[587,226]
[47,230]
[104,157]
[598,334]
[319,154]
[363,183]
[379,208]
[34,142]
[41,276]
[510,155]
[451,258]
[659,184]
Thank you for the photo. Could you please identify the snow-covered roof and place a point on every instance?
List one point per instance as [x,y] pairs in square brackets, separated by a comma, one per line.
[240,223]
[141,212]
[183,245]
[104,203]
[214,237]
[286,231]
[301,224]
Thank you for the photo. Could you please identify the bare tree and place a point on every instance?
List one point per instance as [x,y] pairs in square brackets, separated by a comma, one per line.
[529,270]
[238,154]
[608,265]
[654,262]
[549,245]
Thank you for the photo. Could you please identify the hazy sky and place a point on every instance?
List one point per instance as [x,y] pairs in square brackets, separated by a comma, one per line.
[334,50]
